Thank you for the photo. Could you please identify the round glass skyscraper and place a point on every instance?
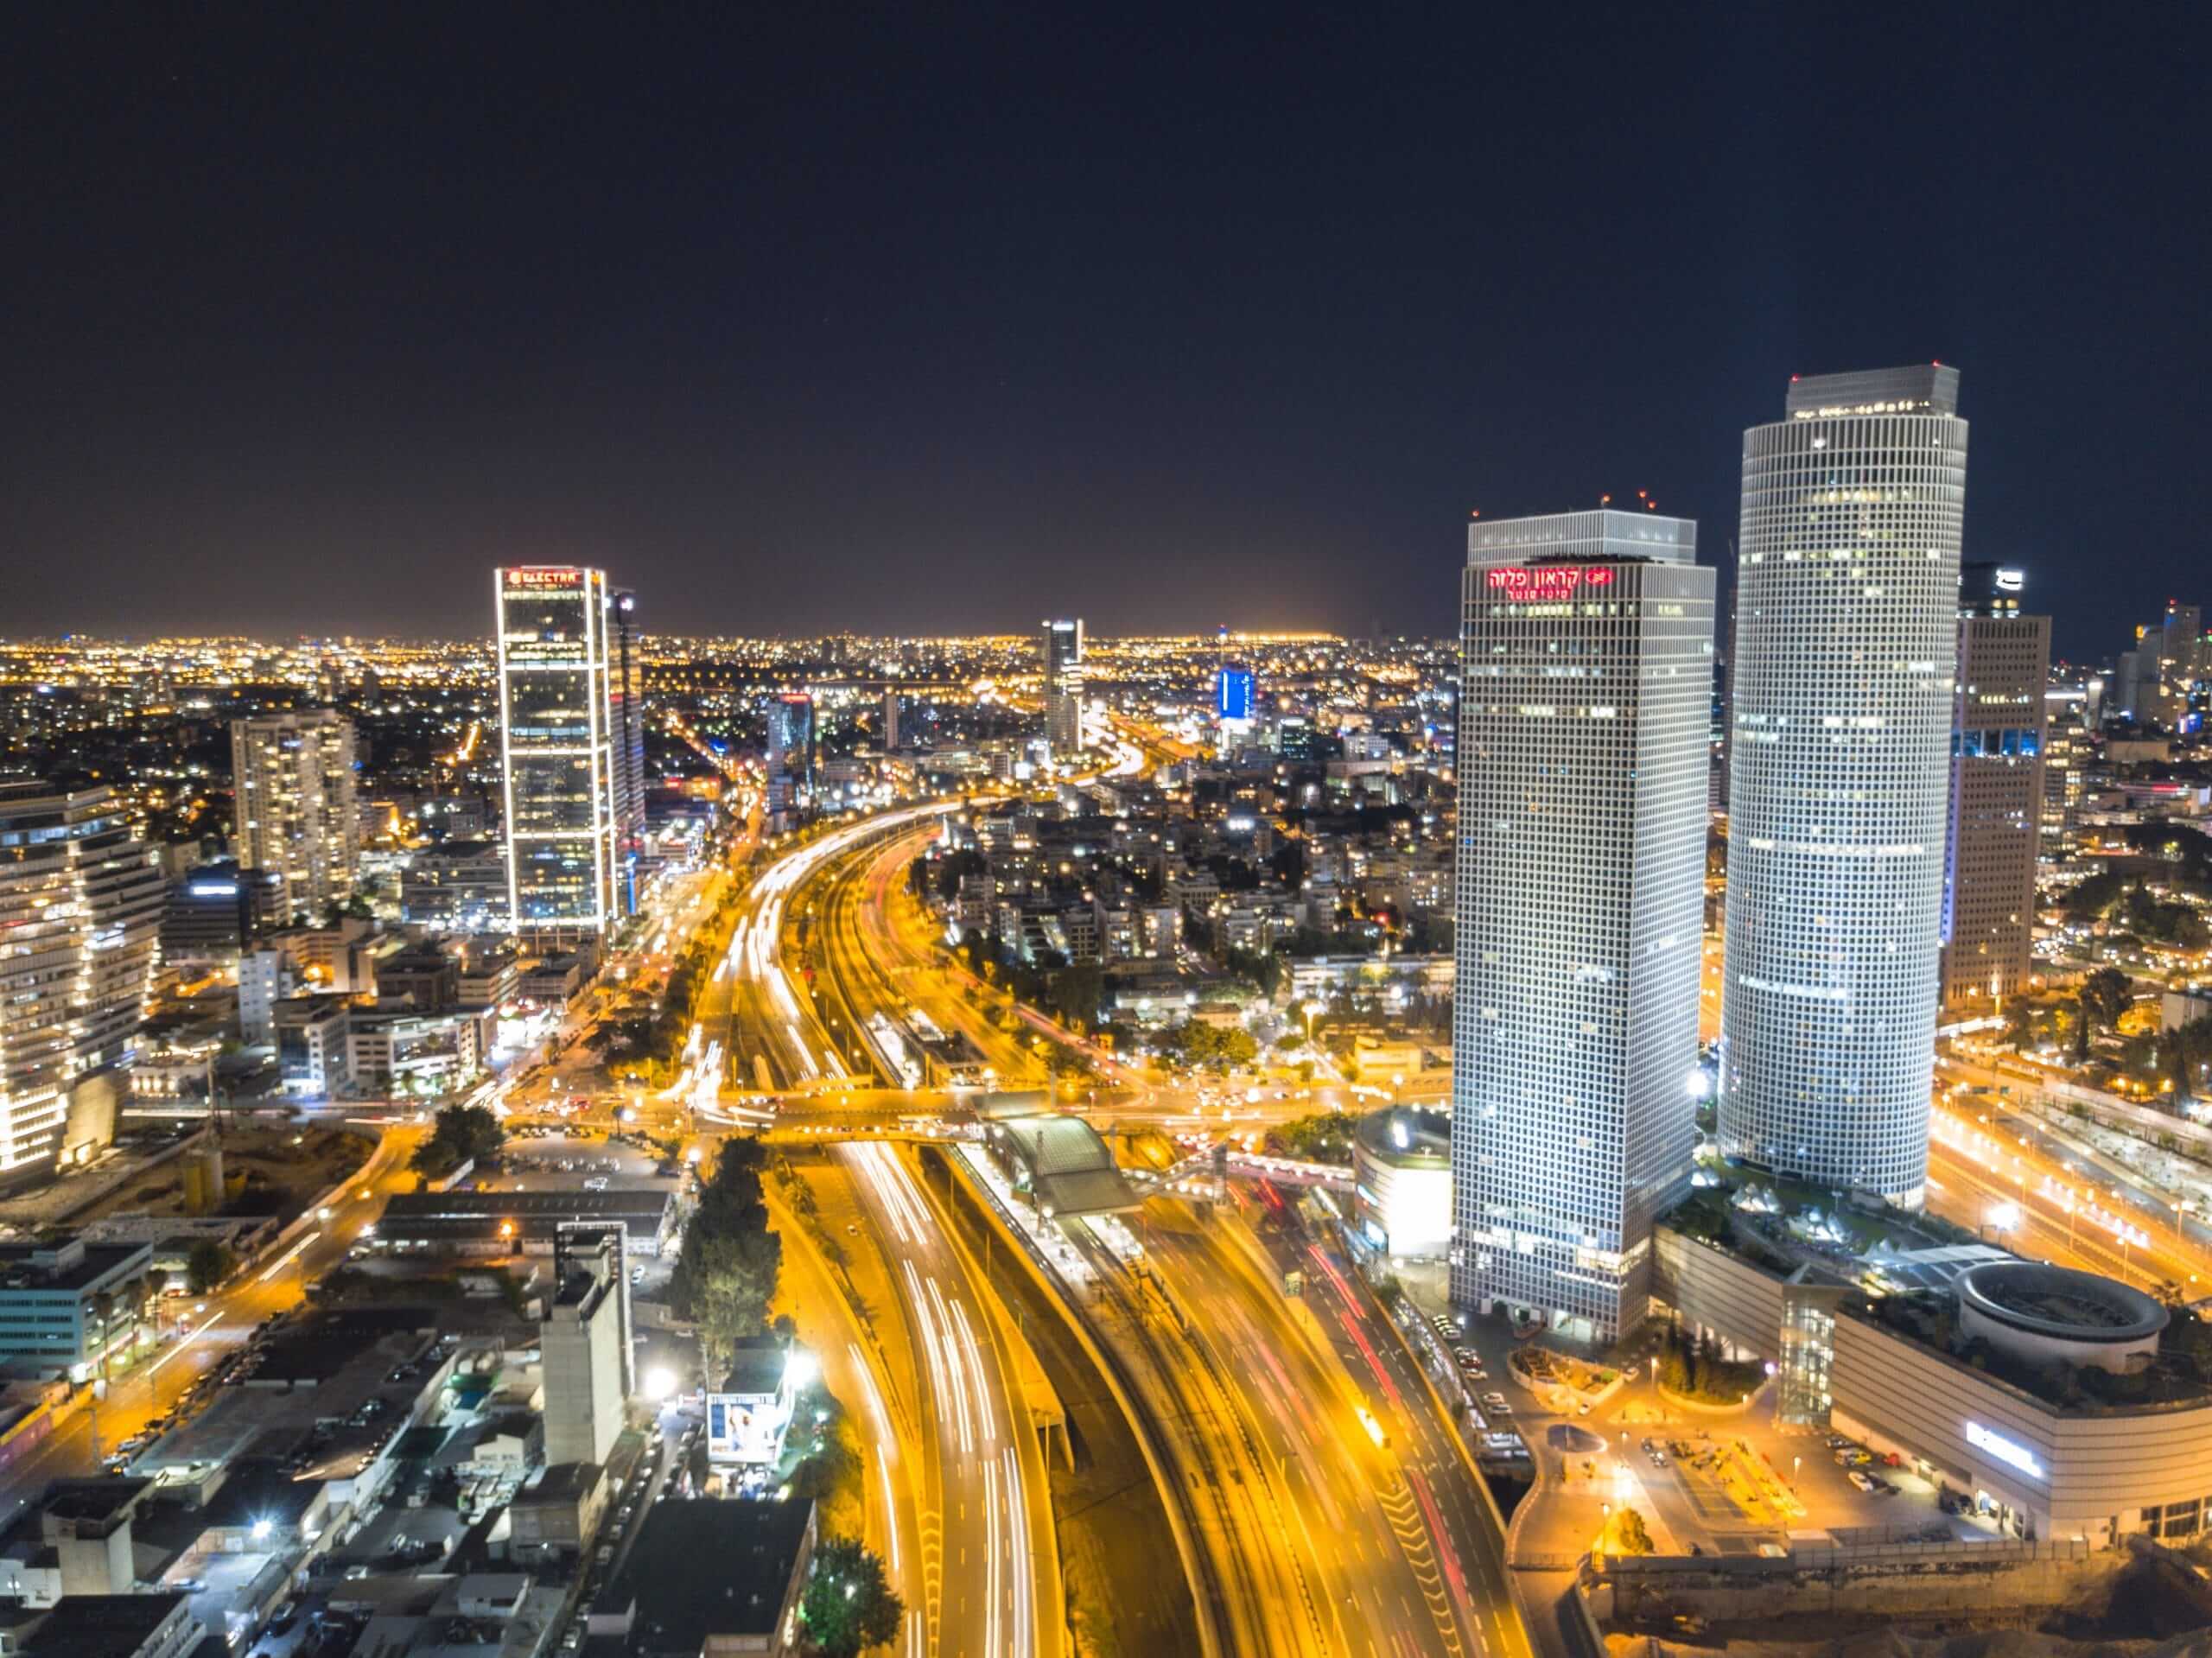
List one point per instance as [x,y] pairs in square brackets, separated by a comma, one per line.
[1846,600]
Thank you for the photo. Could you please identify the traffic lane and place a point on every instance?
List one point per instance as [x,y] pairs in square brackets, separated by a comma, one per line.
[1965,1190]
[986,1605]
[1379,1565]
[1377,1357]
[859,1368]
[2133,1198]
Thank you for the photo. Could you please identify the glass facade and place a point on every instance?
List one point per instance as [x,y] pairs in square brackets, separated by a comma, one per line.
[557,748]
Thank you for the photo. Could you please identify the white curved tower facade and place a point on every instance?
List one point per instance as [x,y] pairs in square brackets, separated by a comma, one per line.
[1847,598]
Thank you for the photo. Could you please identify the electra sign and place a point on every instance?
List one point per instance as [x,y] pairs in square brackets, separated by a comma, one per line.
[2006,1450]
[1551,581]
[545,576]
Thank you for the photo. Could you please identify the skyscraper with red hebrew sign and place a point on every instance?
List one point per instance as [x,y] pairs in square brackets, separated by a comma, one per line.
[1585,693]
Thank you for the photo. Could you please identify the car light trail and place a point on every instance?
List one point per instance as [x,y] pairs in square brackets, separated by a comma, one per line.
[190,1336]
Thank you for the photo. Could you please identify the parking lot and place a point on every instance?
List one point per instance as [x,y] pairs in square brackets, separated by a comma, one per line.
[1707,1482]
[539,1160]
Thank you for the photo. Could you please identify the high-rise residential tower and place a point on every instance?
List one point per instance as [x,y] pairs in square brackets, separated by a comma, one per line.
[556,750]
[80,909]
[1996,788]
[1846,639]
[1063,664]
[292,787]
[1585,720]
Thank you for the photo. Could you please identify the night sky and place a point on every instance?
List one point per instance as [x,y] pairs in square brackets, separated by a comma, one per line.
[803,317]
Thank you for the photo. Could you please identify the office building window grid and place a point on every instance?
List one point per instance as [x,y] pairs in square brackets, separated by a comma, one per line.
[1846,604]
[1582,776]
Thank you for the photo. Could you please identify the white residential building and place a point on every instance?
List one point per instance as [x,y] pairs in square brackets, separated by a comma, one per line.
[294,807]
[81,910]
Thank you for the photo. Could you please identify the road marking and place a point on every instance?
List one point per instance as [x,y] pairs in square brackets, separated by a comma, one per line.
[288,1257]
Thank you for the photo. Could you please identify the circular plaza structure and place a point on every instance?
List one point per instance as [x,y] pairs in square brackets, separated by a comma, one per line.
[2050,1315]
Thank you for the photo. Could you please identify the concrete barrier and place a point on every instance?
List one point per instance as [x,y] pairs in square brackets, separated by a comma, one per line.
[1901,1580]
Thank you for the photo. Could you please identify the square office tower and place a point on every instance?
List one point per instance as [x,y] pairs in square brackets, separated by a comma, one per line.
[1585,710]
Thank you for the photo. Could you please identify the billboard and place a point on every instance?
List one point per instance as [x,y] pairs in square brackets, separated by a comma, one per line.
[746,1428]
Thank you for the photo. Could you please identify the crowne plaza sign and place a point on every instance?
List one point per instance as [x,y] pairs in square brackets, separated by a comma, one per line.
[1547,582]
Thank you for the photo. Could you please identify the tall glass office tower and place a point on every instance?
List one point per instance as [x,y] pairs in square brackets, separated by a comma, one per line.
[1585,720]
[1847,600]
[1062,657]
[557,751]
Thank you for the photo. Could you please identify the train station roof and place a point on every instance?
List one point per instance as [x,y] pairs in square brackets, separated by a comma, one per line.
[1068,1167]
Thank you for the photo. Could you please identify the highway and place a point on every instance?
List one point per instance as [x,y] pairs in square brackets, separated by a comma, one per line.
[990,1587]
[1317,1539]
[1363,1510]
[972,1466]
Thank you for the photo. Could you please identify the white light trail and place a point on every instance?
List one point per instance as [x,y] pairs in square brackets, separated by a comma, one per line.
[186,1341]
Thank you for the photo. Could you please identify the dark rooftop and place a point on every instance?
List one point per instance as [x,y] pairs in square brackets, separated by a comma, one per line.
[32,1261]
[320,1349]
[91,1499]
[755,1548]
[97,1626]
[407,1207]
[2180,1376]
[564,1481]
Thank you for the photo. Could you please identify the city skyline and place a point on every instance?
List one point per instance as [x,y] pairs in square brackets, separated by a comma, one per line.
[1024,833]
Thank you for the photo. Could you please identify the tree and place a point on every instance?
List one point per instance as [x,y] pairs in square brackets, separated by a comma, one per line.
[2182,1050]
[208,1264]
[2104,995]
[847,1604]
[1626,1533]
[726,1274]
[1075,992]
[461,1133]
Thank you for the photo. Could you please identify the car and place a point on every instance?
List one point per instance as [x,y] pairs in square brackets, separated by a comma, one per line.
[188,1585]
[1658,1458]
[1860,1480]
[1493,1399]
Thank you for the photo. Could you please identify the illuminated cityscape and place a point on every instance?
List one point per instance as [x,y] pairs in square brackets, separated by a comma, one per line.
[1013,838]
